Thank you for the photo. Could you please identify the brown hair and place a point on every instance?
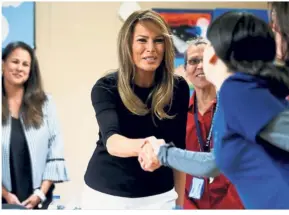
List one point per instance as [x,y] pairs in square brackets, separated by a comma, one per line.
[34,96]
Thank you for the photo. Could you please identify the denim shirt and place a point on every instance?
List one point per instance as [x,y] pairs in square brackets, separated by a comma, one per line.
[203,164]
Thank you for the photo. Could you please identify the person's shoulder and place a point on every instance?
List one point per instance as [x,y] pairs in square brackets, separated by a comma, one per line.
[48,104]
[237,79]
[181,92]
[180,83]
[106,85]
[108,81]
[48,97]
[238,85]
[242,82]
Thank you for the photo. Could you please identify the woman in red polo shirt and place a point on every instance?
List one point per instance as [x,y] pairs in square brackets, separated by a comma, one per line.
[218,192]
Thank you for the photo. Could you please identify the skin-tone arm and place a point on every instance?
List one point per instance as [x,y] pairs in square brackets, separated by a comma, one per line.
[33,199]
[120,146]
[10,197]
[200,164]
[180,184]
[46,184]
[108,120]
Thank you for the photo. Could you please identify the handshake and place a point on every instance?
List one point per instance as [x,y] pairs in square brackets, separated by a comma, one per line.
[148,154]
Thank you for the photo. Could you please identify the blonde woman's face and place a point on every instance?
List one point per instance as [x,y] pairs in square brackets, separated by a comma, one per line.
[16,67]
[148,47]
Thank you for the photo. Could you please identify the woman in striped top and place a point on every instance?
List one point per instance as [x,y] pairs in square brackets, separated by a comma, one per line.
[32,148]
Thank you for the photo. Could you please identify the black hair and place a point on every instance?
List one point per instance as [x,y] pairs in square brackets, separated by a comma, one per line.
[246,44]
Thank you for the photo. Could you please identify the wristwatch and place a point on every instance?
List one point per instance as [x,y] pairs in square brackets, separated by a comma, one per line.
[41,195]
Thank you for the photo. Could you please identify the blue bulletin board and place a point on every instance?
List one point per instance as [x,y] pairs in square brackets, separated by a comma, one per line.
[262,14]
[18,22]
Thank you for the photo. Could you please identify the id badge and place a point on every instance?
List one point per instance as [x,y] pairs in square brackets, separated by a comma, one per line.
[197,188]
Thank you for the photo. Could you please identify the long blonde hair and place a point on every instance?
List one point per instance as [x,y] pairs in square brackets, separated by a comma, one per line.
[162,94]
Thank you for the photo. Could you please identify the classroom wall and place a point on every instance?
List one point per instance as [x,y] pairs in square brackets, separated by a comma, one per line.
[76,45]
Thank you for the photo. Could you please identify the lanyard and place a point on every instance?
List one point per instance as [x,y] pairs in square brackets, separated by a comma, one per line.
[205,147]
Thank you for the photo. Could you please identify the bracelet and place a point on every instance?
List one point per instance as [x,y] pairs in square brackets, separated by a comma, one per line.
[165,159]
[40,194]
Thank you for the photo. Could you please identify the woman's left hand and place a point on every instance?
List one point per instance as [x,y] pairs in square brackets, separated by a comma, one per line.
[31,202]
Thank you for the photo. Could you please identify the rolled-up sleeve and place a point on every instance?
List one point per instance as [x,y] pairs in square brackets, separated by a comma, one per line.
[200,164]
[55,169]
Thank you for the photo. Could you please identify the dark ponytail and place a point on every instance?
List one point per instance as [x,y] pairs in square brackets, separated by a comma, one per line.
[246,44]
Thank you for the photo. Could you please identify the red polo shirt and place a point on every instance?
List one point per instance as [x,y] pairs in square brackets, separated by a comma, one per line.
[220,194]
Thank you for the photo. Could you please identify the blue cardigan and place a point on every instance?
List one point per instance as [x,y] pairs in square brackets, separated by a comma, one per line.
[259,171]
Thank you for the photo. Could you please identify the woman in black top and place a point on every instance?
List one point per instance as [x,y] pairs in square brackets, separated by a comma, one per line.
[32,150]
[141,99]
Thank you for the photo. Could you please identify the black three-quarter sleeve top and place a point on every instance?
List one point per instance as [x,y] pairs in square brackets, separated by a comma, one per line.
[123,176]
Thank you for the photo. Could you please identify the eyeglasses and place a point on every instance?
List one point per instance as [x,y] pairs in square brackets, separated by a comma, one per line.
[195,61]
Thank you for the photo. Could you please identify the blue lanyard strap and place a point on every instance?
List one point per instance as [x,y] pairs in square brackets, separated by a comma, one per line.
[204,146]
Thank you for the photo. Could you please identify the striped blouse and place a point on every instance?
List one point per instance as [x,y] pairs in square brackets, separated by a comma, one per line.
[45,147]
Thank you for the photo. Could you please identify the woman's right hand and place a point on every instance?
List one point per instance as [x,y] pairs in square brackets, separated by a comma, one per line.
[156,143]
[12,199]
[148,156]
